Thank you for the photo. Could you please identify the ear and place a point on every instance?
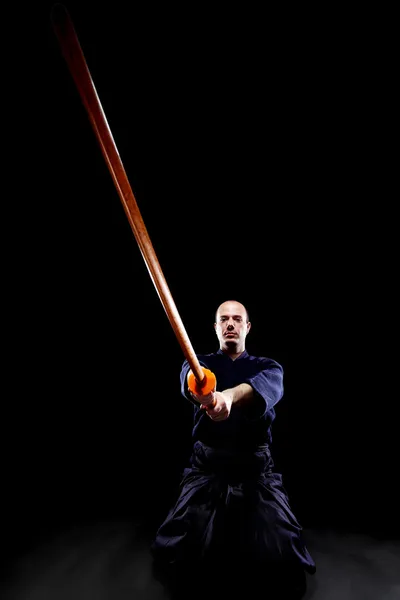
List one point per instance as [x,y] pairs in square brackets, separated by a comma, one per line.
[248,326]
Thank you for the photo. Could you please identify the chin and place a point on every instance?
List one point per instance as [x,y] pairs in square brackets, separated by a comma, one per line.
[231,344]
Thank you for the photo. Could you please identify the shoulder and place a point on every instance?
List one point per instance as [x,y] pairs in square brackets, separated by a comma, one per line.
[264,362]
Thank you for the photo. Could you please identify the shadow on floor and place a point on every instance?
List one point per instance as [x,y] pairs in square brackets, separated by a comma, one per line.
[111,561]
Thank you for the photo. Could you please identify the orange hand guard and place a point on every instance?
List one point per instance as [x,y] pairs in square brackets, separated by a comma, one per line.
[205,387]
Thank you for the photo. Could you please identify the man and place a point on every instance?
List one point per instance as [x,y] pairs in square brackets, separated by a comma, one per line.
[232,525]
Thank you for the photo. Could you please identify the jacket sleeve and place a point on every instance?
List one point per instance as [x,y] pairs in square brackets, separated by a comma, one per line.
[267,384]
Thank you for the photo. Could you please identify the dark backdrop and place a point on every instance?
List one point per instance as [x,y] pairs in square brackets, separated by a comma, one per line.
[252,145]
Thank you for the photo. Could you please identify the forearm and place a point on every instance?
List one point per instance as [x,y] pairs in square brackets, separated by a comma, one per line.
[241,394]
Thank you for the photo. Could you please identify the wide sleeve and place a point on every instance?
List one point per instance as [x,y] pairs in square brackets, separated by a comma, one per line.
[268,384]
[184,386]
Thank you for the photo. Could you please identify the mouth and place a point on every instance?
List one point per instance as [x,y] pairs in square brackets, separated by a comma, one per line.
[230,334]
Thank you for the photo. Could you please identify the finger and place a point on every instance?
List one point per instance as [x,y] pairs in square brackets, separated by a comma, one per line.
[217,418]
[221,416]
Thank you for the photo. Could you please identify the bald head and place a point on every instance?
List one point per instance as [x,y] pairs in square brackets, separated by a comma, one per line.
[235,306]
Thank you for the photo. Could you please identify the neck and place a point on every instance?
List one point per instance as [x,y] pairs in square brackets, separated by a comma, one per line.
[233,351]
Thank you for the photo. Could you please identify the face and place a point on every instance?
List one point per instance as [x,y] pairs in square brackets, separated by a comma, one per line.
[232,326]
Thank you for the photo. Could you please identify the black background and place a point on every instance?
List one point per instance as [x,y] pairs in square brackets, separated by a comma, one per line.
[256,146]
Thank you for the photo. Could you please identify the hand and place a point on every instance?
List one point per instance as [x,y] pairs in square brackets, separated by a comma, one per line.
[205,401]
[222,408]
